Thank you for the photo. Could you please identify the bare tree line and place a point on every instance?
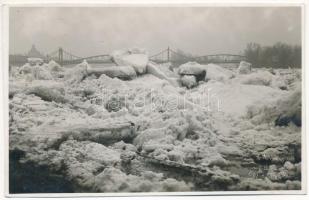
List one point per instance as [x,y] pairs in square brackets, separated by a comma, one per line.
[279,55]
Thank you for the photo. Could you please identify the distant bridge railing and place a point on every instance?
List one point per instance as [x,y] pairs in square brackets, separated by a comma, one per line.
[169,55]
[220,58]
[91,59]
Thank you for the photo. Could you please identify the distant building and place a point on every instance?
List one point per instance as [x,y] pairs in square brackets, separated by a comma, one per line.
[34,53]
[19,59]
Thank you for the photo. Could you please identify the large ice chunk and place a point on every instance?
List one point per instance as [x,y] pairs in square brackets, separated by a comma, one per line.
[121,72]
[35,61]
[191,68]
[137,58]
[244,67]
[281,112]
[39,72]
[54,66]
[47,91]
[77,73]
[153,69]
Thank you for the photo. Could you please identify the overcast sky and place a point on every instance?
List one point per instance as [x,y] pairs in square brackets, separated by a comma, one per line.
[200,31]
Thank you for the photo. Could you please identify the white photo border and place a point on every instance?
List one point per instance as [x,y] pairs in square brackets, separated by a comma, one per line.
[6,4]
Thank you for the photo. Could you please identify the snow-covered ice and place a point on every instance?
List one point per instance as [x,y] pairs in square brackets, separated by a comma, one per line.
[149,134]
[137,58]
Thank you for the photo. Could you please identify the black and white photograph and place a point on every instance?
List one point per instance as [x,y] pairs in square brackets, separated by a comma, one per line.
[148,99]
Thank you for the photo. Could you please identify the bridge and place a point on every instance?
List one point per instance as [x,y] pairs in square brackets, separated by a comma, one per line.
[64,57]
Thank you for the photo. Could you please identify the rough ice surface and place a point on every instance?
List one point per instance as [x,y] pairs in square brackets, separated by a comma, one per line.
[104,134]
[264,78]
[188,81]
[258,78]
[218,73]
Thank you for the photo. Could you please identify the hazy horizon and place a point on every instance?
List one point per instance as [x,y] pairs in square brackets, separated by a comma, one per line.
[195,30]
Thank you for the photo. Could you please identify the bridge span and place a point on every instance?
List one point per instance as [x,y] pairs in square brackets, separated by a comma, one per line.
[64,57]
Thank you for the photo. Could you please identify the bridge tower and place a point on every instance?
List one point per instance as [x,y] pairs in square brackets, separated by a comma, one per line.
[60,56]
[168,54]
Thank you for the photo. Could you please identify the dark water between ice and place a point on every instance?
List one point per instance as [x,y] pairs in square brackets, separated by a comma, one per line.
[26,178]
